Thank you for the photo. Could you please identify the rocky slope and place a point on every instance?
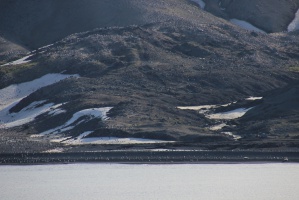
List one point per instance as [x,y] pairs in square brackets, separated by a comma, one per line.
[128,80]
[268,15]
[10,51]
[276,115]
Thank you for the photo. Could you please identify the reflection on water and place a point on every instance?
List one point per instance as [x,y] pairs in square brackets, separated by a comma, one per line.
[116,181]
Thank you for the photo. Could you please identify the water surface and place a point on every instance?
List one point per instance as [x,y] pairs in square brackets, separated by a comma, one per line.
[117,181]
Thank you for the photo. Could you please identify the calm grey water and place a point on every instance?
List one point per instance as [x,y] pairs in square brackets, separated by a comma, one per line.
[117,181]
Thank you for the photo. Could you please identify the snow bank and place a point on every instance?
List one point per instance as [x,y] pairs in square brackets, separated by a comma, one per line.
[43,48]
[55,110]
[14,93]
[235,137]
[201,109]
[246,25]
[201,3]
[112,140]
[90,114]
[253,98]
[294,25]
[217,127]
[56,150]
[81,139]
[25,59]
[11,95]
[26,115]
[206,110]
[20,61]
[230,114]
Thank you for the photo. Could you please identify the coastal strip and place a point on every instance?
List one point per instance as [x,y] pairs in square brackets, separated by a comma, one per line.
[148,157]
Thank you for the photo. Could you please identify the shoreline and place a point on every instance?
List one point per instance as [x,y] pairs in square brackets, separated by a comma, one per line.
[150,157]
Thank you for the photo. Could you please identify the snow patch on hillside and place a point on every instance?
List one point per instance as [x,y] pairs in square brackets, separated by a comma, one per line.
[115,140]
[112,140]
[234,114]
[43,48]
[217,127]
[56,111]
[19,61]
[86,115]
[201,109]
[253,98]
[83,139]
[26,115]
[294,25]
[209,112]
[200,3]
[26,58]
[230,134]
[246,25]
[14,93]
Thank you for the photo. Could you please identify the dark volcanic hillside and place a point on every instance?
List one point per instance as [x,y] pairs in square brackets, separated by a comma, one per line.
[268,15]
[10,51]
[36,23]
[276,115]
[167,54]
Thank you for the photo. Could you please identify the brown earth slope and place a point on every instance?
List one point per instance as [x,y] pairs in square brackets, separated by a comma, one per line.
[178,55]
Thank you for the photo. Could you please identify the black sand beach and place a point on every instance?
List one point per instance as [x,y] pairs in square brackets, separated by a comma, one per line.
[150,157]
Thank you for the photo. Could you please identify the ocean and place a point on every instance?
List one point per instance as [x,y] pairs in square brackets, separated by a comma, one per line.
[149,181]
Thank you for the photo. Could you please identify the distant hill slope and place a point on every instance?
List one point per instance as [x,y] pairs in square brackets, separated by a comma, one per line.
[10,51]
[36,23]
[277,114]
[268,15]
[128,77]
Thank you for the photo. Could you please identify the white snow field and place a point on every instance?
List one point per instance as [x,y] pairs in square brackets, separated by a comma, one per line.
[201,109]
[19,61]
[16,92]
[246,25]
[25,59]
[253,98]
[25,116]
[235,137]
[113,140]
[81,139]
[13,94]
[89,114]
[206,110]
[217,127]
[234,114]
[294,25]
[201,3]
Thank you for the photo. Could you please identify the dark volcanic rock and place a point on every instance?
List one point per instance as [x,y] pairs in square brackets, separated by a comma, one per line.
[145,72]
[268,15]
[10,51]
[276,116]
[278,103]
[167,54]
